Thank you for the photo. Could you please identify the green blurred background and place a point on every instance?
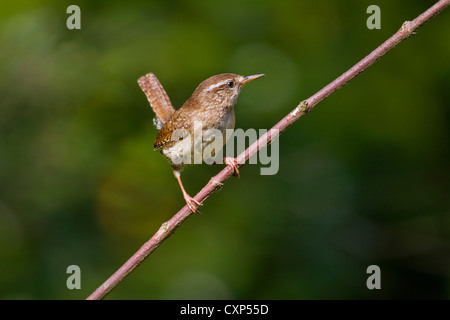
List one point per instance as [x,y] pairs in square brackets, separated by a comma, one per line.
[363,179]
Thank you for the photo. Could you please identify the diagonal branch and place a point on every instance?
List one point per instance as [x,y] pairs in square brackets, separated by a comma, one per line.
[408,28]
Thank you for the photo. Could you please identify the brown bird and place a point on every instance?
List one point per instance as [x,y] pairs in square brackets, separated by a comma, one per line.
[211,106]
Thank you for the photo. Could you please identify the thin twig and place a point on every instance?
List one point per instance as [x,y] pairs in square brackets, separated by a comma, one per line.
[408,28]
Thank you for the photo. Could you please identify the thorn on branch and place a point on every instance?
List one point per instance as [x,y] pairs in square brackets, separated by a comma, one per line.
[217,185]
[165,228]
[407,27]
[304,106]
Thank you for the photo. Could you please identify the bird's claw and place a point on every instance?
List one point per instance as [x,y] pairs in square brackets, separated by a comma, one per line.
[192,204]
[232,162]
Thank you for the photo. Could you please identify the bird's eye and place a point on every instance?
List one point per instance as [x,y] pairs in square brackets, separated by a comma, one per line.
[230,84]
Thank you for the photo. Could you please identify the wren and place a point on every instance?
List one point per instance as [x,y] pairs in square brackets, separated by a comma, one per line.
[211,106]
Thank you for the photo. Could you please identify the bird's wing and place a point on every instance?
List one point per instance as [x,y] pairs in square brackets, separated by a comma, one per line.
[173,130]
[158,98]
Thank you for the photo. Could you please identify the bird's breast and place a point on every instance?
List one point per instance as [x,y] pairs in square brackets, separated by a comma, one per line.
[230,120]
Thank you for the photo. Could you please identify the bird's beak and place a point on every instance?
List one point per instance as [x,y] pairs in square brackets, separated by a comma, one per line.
[251,78]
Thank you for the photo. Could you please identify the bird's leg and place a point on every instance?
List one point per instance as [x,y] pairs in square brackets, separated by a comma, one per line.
[232,162]
[191,202]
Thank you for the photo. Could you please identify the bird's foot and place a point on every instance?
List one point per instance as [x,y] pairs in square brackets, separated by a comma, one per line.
[232,162]
[192,203]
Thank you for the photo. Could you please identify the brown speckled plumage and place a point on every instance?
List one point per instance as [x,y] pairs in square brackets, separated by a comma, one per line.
[211,105]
